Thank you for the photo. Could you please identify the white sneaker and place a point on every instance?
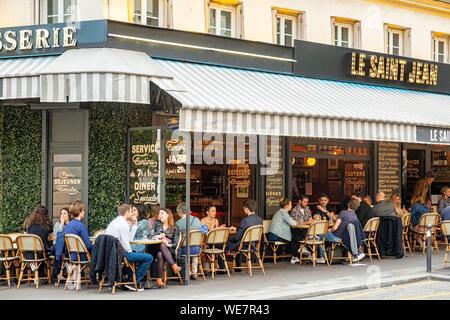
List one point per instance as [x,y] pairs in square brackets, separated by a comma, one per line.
[132,288]
[321,260]
[32,267]
[295,260]
[70,286]
[304,251]
[361,256]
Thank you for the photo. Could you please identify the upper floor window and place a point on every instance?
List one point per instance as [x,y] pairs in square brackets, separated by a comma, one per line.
[222,20]
[147,12]
[287,26]
[397,41]
[346,32]
[58,11]
[440,49]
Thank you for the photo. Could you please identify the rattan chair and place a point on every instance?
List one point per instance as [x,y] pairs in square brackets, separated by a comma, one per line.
[406,222]
[195,239]
[214,247]
[76,246]
[175,276]
[32,244]
[273,245]
[252,235]
[445,228]
[124,264]
[99,232]
[315,237]
[421,230]
[7,257]
[371,229]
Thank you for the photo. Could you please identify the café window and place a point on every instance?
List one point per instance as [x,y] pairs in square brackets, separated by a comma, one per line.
[147,12]
[345,32]
[58,11]
[222,20]
[397,40]
[440,49]
[286,26]
[343,35]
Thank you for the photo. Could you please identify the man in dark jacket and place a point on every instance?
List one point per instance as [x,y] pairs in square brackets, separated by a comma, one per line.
[252,219]
[107,257]
[365,211]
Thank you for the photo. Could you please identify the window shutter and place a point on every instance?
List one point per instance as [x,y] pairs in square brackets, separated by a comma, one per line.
[207,7]
[240,21]
[333,33]
[301,26]
[386,35]
[274,25]
[357,35]
[168,14]
[407,43]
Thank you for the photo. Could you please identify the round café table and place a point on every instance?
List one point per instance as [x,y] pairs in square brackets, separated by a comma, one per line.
[146,241]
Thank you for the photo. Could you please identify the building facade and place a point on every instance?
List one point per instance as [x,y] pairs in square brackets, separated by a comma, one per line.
[89,105]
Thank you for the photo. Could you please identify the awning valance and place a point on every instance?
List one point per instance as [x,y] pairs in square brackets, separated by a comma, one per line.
[19,78]
[226,100]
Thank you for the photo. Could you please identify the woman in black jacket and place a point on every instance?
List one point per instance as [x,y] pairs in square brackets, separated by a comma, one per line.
[39,223]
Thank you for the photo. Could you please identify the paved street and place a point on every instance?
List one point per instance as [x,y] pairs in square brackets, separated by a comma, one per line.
[282,281]
[420,290]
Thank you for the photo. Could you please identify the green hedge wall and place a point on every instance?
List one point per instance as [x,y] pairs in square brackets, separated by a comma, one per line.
[20,165]
[108,129]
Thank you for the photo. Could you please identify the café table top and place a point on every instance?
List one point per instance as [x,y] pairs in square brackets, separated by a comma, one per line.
[301,226]
[146,241]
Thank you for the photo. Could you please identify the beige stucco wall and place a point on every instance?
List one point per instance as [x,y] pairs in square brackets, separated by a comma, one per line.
[189,15]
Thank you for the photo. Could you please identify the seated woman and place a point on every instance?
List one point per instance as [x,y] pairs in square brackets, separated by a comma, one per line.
[63,221]
[280,228]
[445,201]
[39,223]
[418,208]
[210,219]
[142,228]
[167,231]
[395,198]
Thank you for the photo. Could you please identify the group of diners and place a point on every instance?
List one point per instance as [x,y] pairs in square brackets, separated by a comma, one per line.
[132,224]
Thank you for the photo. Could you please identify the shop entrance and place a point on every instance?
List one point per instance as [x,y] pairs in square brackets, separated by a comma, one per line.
[67,164]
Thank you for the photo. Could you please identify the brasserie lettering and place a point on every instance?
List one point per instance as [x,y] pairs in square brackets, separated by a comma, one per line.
[395,69]
[39,39]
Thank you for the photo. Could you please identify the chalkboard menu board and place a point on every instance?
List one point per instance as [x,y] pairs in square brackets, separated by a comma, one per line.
[144,166]
[389,167]
[355,177]
[274,179]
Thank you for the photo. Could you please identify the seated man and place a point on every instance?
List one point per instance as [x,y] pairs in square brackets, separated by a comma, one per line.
[194,224]
[384,208]
[252,219]
[120,229]
[347,222]
[323,209]
[365,211]
[301,215]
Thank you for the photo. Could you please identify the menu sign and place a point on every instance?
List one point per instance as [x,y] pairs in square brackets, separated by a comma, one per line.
[176,157]
[355,177]
[144,166]
[274,180]
[67,187]
[239,175]
[389,168]
[413,169]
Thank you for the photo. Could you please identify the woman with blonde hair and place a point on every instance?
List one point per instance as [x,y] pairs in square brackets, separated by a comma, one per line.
[395,198]
[445,201]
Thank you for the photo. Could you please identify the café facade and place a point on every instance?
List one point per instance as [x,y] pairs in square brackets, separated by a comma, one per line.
[108,112]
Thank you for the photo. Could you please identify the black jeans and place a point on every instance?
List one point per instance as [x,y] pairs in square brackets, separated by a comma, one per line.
[297,236]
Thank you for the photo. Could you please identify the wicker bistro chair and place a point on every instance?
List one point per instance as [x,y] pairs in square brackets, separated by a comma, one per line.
[445,228]
[124,264]
[175,276]
[315,237]
[7,257]
[214,246]
[195,239]
[99,232]
[273,245]
[421,230]
[75,245]
[371,229]
[251,235]
[32,244]
[406,222]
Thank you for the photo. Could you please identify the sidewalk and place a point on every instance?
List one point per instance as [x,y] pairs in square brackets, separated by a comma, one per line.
[282,281]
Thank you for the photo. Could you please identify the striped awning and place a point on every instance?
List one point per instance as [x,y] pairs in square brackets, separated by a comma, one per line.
[100,74]
[227,100]
[19,78]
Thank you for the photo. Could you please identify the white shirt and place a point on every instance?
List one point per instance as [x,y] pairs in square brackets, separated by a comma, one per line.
[119,228]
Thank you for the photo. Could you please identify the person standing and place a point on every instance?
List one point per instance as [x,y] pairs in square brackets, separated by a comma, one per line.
[422,187]
[124,228]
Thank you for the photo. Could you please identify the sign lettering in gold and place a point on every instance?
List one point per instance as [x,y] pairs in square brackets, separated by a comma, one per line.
[394,69]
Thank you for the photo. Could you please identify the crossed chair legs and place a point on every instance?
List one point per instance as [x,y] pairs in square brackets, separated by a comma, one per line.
[248,257]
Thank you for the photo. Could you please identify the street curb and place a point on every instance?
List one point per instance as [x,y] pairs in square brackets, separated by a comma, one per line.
[386,283]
